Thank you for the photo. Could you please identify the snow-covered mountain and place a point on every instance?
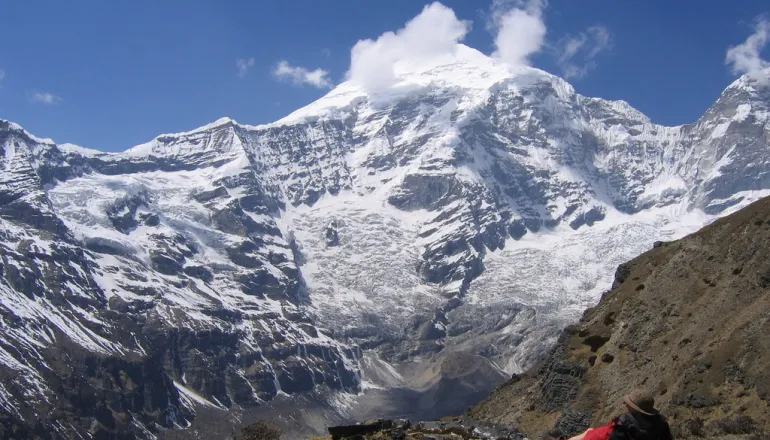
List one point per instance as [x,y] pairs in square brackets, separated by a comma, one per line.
[364,253]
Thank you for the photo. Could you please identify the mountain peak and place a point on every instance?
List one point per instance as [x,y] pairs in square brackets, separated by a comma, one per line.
[219,123]
[175,143]
[6,125]
[465,69]
[753,81]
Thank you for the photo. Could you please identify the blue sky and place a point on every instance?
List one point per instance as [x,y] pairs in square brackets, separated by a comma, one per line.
[112,74]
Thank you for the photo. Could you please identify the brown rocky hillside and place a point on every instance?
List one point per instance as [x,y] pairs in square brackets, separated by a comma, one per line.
[689,320]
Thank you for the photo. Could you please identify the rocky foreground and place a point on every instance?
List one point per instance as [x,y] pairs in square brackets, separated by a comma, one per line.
[688,319]
[445,429]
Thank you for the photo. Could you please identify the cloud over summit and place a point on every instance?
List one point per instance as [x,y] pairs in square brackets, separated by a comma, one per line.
[519,30]
[746,58]
[430,35]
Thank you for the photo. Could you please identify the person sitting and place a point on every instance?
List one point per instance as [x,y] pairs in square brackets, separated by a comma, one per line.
[641,421]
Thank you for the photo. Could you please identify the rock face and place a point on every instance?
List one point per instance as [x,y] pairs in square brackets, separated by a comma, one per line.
[128,302]
[688,321]
[466,216]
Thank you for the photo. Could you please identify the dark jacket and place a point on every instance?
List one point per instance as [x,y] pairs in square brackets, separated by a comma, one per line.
[636,426]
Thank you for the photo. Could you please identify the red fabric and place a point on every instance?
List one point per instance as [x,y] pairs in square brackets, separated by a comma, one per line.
[600,433]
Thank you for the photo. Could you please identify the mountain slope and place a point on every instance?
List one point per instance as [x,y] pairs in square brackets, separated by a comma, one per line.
[361,254]
[687,319]
[141,275]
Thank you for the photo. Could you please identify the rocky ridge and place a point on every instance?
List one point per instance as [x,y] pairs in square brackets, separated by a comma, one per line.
[687,320]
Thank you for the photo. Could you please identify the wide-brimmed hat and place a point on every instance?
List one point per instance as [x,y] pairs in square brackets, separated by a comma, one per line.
[641,401]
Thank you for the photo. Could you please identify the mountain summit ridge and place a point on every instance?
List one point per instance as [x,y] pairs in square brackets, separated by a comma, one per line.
[321,256]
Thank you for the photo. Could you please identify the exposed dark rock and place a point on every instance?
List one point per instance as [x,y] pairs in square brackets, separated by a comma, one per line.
[165,264]
[122,213]
[517,229]
[423,191]
[533,224]
[595,342]
[150,219]
[206,196]
[331,234]
[246,254]
[763,278]
[457,428]
[572,422]
[348,431]
[260,282]
[294,377]
[229,220]
[26,214]
[621,274]
[589,218]
[607,358]
[199,272]
[106,246]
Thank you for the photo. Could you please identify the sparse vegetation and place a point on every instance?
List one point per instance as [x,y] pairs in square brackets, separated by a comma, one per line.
[689,428]
[695,336]
[741,424]
[261,431]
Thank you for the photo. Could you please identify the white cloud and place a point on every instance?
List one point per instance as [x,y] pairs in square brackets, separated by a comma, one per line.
[500,7]
[427,37]
[44,98]
[519,29]
[576,54]
[301,76]
[519,32]
[243,65]
[520,35]
[745,57]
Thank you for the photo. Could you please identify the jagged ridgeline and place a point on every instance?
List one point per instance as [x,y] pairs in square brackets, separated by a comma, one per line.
[389,256]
